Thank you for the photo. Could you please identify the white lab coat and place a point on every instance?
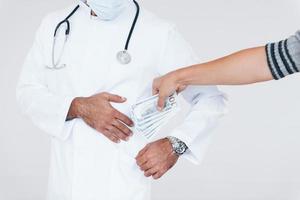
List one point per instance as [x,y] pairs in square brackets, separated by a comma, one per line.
[84,164]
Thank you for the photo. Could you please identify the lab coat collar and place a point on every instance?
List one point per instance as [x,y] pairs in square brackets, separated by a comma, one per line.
[85,7]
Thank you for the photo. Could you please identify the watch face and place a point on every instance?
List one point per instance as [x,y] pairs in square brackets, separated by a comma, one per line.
[177,145]
[181,150]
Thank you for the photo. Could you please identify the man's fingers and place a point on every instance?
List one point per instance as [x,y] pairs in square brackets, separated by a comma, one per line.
[160,173]
[140,161]
[157,175]
[155,91]
[119,134]
[146,166]
[111,136]
[116,98]
[155,88]
[120,116]
[150,172]
[141,153]
[122,127]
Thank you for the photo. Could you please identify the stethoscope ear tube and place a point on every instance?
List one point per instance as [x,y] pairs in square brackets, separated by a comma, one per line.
[60,24]
[66,20]
[68,27]
[57,27]
[67,32]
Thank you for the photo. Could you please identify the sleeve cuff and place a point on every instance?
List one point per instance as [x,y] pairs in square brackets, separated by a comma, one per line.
[56,124]
[284,57]
[196,131]
[65,129]
[193,155]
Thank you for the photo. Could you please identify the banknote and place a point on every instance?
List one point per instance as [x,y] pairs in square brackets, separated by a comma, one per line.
[148,119]
[156,126]
[153,119]
[148,107]
[149,125]
[152,130]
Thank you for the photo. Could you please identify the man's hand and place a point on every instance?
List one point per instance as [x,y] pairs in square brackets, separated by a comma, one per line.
[157,158]
[98,113]
[165,86]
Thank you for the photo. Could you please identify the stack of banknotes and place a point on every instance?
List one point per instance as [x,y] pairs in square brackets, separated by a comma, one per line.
[148,119]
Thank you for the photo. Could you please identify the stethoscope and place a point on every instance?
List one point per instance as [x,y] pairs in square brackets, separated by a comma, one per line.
[122,56]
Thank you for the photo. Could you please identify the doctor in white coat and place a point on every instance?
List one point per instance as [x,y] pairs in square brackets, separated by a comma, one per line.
[84,104]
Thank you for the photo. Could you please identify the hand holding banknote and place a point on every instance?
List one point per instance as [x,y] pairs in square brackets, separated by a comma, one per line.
[166,85]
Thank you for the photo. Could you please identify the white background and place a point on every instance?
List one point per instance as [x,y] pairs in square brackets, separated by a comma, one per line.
[255,152]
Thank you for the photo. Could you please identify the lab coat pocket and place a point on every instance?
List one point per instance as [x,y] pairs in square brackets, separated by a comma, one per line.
[131,184]
[136,143]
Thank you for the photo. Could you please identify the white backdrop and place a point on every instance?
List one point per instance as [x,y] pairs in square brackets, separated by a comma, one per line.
[255,152]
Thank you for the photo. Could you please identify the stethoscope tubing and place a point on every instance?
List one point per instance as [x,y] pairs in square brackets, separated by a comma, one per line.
[66,20]
[133,24]
[55,65]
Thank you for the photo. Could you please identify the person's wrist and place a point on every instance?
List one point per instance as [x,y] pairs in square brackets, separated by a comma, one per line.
[182,77]
[76,108]
[169,144]
[170,147]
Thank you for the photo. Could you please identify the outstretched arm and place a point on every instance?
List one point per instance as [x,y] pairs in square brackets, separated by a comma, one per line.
[243,67]
[274,61]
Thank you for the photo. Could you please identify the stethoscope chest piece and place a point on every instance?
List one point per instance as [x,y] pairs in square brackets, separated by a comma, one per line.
[124,57]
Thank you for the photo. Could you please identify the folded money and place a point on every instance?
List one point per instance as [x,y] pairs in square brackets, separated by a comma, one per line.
[148,119]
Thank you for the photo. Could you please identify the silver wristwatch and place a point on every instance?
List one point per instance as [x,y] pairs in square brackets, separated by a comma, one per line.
[178,146]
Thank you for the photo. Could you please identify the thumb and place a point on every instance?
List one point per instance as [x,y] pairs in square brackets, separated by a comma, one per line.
[116,98]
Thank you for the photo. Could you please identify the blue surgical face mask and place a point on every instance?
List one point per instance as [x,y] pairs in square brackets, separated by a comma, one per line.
[107,9]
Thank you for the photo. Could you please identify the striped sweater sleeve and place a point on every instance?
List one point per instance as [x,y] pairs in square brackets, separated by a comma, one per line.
[284,56]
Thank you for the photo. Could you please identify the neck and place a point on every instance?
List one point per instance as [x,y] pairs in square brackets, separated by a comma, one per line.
[93,13]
